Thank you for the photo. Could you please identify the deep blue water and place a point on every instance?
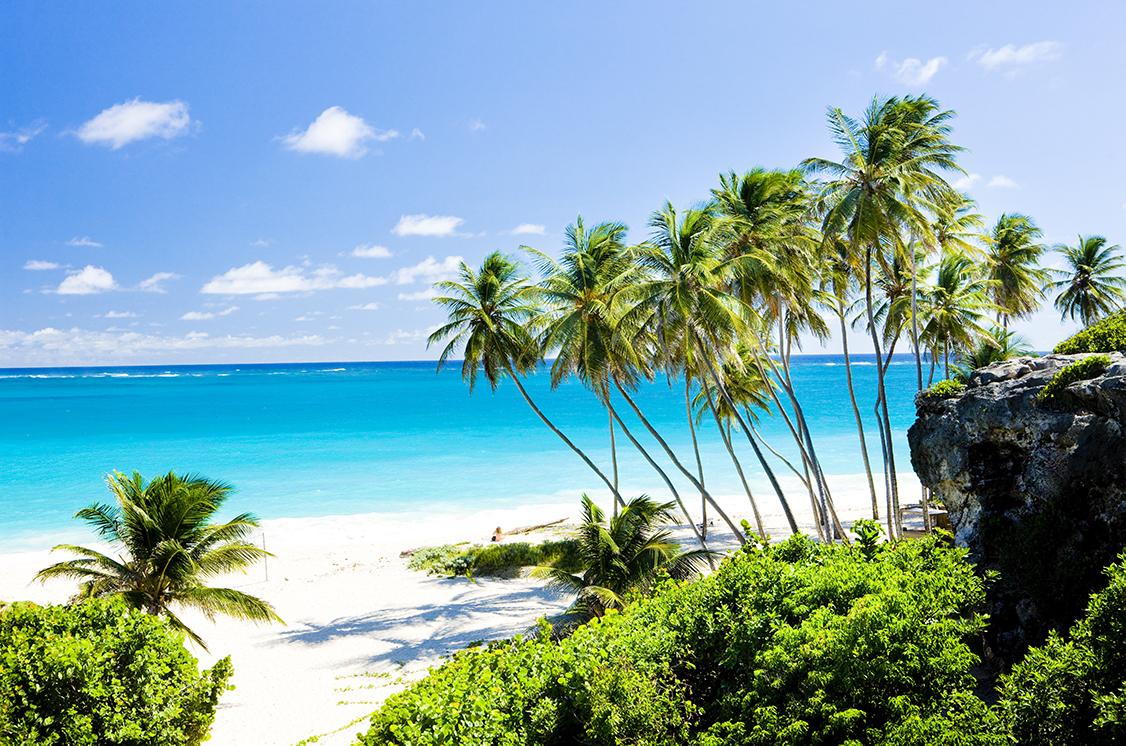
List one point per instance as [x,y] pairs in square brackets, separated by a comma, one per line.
[339,438]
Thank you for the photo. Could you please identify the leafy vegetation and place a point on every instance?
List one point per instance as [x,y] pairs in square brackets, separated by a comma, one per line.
[945,389]
[794,643]
[99,673]
[503,559]
[1089,287]
[1105,335]
[1080,370]
[167,548]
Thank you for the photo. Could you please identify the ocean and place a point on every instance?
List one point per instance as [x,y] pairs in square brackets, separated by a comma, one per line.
[315,439]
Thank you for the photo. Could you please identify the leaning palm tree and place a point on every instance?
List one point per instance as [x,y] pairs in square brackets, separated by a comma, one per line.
[1089,287]
[488,312]
[623,556]
[1013,255]
[166,548]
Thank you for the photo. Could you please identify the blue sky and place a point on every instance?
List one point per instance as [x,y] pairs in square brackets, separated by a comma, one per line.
[237,182]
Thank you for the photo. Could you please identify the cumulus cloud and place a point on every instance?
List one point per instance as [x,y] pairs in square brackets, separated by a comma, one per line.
[84,241]
[365,307]
[371,252]
[207,315]
[1010,57]
[966,182]
[529,229]
[429,270]
[38,265]
[266,283]
[155,284]
[911,71]
[336,132]
[1002,182]
[427,225]
[13,142]
[135,120]
[87,281]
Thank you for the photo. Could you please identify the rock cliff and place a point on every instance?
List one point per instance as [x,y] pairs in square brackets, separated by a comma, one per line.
[1035,491]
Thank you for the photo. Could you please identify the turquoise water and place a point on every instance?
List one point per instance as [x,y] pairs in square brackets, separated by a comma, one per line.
[341,438]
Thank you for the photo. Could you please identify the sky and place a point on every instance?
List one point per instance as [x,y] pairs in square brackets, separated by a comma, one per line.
[202,182]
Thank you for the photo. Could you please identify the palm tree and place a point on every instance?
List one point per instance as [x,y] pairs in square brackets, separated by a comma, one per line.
[1088,288]
[890,169]
[623,556]
[999,345]
[956,306]
[1017,280]
[167,548]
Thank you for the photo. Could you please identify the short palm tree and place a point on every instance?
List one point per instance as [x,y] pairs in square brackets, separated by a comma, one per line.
[1013,256]
[167,548]
[1089,287]
[999,345]
[955,307]
[623,555]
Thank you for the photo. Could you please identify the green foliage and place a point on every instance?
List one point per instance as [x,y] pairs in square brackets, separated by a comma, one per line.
[946,389]
[1080,370]
[1073,690]
[1105,335]
[502,559]
[795,643]
[98,673]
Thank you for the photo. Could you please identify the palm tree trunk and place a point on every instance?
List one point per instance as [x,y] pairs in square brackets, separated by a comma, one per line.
[613,456]
[889,447]
[725,436]
[804,479]
[564,438]
[696,450]
[856,410]
[676,462]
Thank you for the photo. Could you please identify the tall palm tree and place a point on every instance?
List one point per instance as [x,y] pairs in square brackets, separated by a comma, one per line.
[488,312]
[956,307]
[167,548]
[890,171]
[622,556]
[1088,286]
[1013,255]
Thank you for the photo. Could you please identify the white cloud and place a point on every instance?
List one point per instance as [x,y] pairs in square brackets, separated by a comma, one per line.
[417,134]
[424,294]
[13,142]
[529,229]
[911,71]
[336,132]
[49,344]
[87,281]
[118,315]
[38,265]
[207,315]
[135,120]
[427,225]
[260,243]
[266,283]
[155,284]
[365,307]
[84,241]
[476,125]
[429,270]
[1002,182]
[408,335]
[371,252]
[966,182]
[1010,57]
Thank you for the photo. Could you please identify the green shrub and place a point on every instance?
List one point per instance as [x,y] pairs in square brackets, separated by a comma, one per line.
[96,673]
[943,390]
[1073,690]
[1080,370]
[502,559]
[795,643]
[1105,335]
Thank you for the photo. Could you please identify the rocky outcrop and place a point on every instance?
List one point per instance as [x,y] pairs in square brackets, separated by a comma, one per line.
[1035,491]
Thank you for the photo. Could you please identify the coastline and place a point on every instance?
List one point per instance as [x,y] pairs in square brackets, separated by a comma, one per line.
[360,625]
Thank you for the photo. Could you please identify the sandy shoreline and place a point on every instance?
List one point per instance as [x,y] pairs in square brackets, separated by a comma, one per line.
[359,624]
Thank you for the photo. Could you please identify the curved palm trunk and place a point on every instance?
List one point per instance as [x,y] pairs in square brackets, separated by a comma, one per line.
[578,451]
[774,451]
[696,450]
[856,410]
[676,462]
[750,439]
[613,456]
[725,436]
[889,447]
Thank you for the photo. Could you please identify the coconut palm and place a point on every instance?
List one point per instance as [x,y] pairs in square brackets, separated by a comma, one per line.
[999,345]
[623,555]
[488,312]
[1089,287]
[877,192]
[166,549]
[956,307]
[1013,255]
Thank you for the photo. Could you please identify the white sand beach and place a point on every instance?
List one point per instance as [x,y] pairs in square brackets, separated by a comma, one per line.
[359,624]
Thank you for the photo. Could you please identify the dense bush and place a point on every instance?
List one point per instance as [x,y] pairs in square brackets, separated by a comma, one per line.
[1105,335]
[1073,690]
[97,673]
[1080,370]
[796,643]
[943,390]
[502,559]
